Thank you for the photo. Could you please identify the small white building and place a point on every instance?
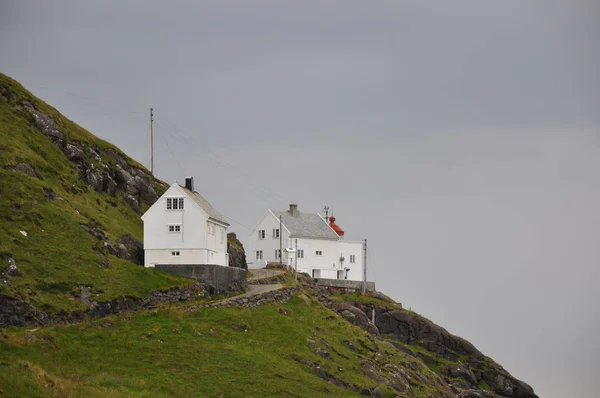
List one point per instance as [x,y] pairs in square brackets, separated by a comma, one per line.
[183,228]
[309,243]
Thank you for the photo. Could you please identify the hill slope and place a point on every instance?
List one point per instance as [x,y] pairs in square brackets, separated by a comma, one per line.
[70,246]
[69,210]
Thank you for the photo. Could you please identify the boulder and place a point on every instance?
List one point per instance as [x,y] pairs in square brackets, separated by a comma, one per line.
[73,153]
[462,373]
[104,263]
[146,190]
[95,179]
[45,123]
[13,269]
[135,205]
[131,249]
[49,193]
[26,168]
[476,394]
[358,318]
[109,185]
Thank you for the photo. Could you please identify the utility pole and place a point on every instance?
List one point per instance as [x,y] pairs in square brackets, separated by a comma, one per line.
[296,260]
[280,242]
[151,141]
[364,282]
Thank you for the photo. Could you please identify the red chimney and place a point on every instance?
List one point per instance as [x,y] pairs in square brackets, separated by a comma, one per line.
[335,227]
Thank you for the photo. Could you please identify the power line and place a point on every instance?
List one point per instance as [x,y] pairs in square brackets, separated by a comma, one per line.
[255,188]
[170,151]
[237,170]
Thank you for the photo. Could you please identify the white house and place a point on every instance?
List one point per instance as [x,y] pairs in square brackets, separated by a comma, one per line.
[183,228]
[309,243]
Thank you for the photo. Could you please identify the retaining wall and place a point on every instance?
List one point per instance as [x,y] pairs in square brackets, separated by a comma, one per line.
[218,278]
[344,285]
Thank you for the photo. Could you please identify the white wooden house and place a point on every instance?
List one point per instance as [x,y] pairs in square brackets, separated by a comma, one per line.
[181,227]
[316,245]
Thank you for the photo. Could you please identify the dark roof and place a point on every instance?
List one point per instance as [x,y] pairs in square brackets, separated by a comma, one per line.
[308,225]
[207,207]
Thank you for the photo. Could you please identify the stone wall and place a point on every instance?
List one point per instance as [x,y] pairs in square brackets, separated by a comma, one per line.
[280,296]
[344,285]
[217,278]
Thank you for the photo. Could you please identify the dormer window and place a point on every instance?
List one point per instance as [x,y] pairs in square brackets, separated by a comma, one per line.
[174,203]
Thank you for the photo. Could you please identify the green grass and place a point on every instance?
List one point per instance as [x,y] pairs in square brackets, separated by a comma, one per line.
[170,352]
[483,385]
[57,256]
[367,299]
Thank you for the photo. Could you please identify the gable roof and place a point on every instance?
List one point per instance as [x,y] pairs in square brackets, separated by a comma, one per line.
[204,205]
[307,225]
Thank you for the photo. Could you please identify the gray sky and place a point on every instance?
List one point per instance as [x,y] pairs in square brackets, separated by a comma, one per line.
[461,138]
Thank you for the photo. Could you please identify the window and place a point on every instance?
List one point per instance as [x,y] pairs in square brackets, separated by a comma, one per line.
[174,203]
[277,253]
[261,234]
[174,228]
[300,253]
[174,253]
[352,258]
[319,253]
[276,233]
[259,254]
[222,235]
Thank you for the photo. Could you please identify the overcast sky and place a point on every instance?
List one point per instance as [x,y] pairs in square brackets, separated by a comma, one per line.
[461,138]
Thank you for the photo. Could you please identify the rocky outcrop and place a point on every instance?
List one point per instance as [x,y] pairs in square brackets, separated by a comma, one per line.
[13,269]
[415,335]
[115,175]
[26,168]
[16,312]
[131,249]
[126,247]
[44,123]
[237,255]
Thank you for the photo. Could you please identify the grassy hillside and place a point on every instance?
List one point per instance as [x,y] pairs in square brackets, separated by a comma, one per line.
[57,256]
[211,352]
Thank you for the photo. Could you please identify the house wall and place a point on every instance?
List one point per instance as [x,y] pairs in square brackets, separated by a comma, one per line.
[268,245]
[186,256]
[355,248]
[327,263]
[196,242]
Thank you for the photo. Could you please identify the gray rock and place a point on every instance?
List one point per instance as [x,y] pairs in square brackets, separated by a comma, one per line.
[135,205]
[73,153]
[94,153]
[476,394]
[118,159]
[131,249]
[96,233]
[109,185]
[357,317]
[146,189]
[94,178]
[110,248]
[13,269]
[26,168]
[43,122]
[463,373]
[49,193]
[104,263]
[502,386]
